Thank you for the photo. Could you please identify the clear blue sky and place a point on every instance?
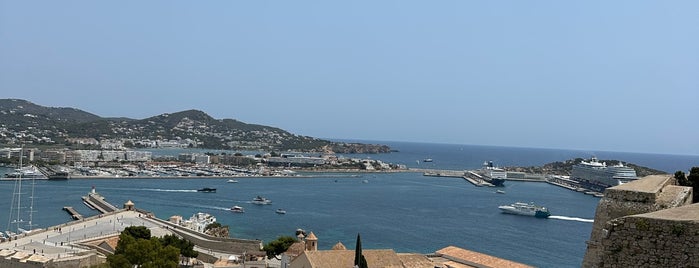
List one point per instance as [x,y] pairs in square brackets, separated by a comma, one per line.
[591,75]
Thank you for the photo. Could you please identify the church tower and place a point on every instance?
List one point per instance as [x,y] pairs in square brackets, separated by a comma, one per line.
[311,242]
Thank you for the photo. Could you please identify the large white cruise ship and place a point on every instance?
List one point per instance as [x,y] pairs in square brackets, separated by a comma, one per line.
[598,176]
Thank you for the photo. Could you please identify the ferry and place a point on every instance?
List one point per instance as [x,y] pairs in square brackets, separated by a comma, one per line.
[259,200]
[520,208]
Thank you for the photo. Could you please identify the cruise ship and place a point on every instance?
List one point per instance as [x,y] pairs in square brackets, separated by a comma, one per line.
[597,176]
[494,175]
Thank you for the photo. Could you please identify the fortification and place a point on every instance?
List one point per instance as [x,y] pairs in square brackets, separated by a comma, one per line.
[645,223]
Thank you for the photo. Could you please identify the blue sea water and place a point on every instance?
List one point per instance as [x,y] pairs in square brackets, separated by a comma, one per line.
[404,211]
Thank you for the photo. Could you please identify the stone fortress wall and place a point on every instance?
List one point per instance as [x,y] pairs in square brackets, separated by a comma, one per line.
[649,222]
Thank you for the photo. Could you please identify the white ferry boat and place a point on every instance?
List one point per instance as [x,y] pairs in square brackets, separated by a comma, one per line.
[520,208]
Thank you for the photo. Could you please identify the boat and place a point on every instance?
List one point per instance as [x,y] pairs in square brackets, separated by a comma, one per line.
[491,174]
[597,176]
[237,209]
[259,200]
[232,181]
[427,160]
[520,208]
[500,191]
[280,211]
[207,190]
[26,173]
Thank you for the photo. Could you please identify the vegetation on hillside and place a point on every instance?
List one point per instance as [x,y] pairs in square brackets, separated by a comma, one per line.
[26,122]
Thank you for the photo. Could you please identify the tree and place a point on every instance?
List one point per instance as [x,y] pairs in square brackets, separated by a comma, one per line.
[278,246]
[359,260]
[693,179]
[681,179]
[136,248]
[137,232]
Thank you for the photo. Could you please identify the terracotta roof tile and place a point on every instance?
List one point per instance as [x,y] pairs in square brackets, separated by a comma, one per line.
[468,257]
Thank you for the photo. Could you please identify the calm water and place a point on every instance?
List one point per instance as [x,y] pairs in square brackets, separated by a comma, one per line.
[404,211]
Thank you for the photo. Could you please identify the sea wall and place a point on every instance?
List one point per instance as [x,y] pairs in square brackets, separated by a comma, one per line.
[648,194]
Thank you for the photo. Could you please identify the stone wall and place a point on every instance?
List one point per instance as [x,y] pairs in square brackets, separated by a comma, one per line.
[648,194]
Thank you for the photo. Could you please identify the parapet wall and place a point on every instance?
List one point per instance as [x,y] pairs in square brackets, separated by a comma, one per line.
[651,240]
[648,194]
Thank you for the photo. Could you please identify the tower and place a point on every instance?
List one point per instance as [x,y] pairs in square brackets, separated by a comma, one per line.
[311,242]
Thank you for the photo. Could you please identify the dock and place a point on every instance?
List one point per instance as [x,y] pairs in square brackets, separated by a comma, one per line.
[476,179]
[73,213]
[97,202]
[469,176]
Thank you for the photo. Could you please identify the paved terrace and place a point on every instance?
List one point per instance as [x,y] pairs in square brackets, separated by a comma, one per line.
[66,241]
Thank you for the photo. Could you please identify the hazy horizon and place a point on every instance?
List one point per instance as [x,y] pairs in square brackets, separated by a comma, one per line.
[595,76]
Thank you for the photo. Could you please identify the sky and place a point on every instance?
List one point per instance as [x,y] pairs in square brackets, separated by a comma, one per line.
[585,75]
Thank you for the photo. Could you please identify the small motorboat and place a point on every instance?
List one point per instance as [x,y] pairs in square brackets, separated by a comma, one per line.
[237,209]
[500,191]
[207,190]
[280,211]
[259,200]
[232,181]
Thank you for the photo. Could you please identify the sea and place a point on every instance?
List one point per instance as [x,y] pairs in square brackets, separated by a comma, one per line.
[404,211]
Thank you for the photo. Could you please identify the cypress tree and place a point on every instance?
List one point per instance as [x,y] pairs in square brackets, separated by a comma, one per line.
[359,260]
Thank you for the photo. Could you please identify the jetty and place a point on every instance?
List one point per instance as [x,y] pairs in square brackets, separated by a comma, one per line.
[95,201]
[73,213]
[468,176]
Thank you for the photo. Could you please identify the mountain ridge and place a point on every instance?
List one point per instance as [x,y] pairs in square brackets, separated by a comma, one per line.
[24,121]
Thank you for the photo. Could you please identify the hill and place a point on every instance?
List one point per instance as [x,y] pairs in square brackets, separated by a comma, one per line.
[24,122]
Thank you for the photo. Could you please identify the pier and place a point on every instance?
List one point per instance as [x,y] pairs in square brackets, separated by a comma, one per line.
[73,213]
[97,202]
[469,176]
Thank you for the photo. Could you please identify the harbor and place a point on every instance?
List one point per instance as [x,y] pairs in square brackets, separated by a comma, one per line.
[476,179]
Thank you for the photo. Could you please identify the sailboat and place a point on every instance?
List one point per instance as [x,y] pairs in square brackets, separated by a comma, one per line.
[15,217]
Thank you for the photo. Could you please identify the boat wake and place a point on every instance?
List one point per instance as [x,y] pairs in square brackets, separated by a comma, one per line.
[571,219]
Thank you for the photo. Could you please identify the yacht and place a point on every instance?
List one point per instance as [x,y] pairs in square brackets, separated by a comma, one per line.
[237,209]
[520,208]
[259,200]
